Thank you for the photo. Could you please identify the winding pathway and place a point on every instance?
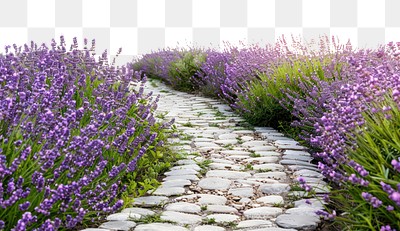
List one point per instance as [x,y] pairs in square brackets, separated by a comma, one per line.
[235,177]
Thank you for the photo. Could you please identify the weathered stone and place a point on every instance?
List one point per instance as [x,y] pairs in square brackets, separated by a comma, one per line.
[297,157]
[207,199]
[150,201]
[274,188]
[209,228]
[222,161]
[262,213]
[141,211]
[184,207]
[160,227]
[241,192]
[308,173]
[221,166]
[180,218]
[220,218]
[266,159]
[220,209]
[271,167]
[263,148]
[235,152]
[182,177]
[271,200]
[296,162]
[271,175]
[296,152]
[233,175]
[253,224]
[118,225]
[297,221]
[268,153]
[303,210]
[310,203]
[206,144]
[185,162]
[226,142]
[227,136]
[187,166]
[123,216]
[180,172]
[255,143]
[169,191]
[214,183]
[95,229]
[176,183]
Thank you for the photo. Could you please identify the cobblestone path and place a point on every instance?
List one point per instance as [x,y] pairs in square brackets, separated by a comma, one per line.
[235,177]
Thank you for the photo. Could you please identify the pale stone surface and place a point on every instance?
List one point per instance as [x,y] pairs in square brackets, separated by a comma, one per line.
[176,183]
[187,166]
[297,221]
[266,159]
[233,175]
[150,201]
[123,216]
[182,177]
[209,228]
[180,218]
[271,175]
[160,227]
[262,212]
[213,183]
[141,211]
[169,191]
[206,199]
[184,207]
[272,199]
[118,225]
[220,218]
[271,167]
[180,172]
[241,192]
[235,152]
[274,188]
[221,209]
[254,224]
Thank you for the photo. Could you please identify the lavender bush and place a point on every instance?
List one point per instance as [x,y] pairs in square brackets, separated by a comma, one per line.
[71,131]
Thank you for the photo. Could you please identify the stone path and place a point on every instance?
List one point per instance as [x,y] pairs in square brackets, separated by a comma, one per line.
[234,177]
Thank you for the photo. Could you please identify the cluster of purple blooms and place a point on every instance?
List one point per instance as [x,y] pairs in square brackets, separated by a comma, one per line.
[71,128]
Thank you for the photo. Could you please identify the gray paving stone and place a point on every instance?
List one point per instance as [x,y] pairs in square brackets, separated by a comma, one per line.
[296,152]
[254,224]
[300,167]
[296,162]
[187,166]
[150,201]
[207,199]
[263,148]
[265,159]
[169,191]
[180,172]
[313,203]
[308,173]
[176,183]
[297,221]
[272,167]
[185,162]
[221,209]
[271,200]
[233,175]
[206,144]
[291,147]
[118,225]
[274,188]
[303,210]
[221,218]
[262,213]
[209,228]
[123,216]
[203,140]
[271,175]
[214,183]
[235,152]
[297,157]
[141,211]
[183,207]
[268,153]
[271,229]
[241,192]
[180,218]
[221,166]
[182,177]
[95,229]
[228,136]
[160,227]
[222,161]
[226,142]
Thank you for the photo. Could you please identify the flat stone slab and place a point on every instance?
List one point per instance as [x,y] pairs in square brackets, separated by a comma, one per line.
[291,146]
[123,216]
[263,148]
[262,212]
[228,136]
[271,200]
[272,167]
[207,199]
[297,221]
[226,142]
[183,207]
[235,152]
[274,188]
[214,183]
[182,177]
[221,209]
[185,162]
[255,143]
[150,201]
[303,210]
[209,228]
[265,159]
[95,229]
[308,173]
[187,166]
[206,144]
[241,192]
[169,191]
[312,203]
[180,172]
[221,166]
[221,218]
[222,161]
[233,175]
[253,224]
[141,211]
[176,183]
[296,162]
[268,153]
[271,175]
[272,229]
[180,218]
[118,225]
[160,227]
[297,157]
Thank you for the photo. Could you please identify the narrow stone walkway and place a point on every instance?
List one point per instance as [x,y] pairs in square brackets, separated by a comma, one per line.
[234,177]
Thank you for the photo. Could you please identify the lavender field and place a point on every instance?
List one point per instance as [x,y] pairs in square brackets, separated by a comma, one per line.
[79,138]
